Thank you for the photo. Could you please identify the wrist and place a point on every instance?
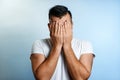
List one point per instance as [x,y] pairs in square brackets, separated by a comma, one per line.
[58,47]
[67,46]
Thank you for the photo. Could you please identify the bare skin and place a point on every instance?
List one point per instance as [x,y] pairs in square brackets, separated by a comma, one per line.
[61,37]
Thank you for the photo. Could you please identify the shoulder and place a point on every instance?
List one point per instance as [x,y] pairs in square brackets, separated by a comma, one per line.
[83,45]
[41,46]
[86,43]
[81,42]
[45,41]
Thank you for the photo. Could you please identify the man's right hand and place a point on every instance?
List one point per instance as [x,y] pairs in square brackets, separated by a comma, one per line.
[56,34]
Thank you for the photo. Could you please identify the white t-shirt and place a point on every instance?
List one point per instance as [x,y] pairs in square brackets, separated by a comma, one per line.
[44,46]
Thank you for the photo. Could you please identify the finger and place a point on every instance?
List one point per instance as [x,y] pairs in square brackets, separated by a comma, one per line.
[62,32]
[63,29]
[68,26]
[59,29]
[56,27]
[65,26]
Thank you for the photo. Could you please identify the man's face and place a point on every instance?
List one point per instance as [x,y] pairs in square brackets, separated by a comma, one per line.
[61,20]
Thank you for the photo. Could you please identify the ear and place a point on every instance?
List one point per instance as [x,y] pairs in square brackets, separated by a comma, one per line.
[72,24]
[49,26]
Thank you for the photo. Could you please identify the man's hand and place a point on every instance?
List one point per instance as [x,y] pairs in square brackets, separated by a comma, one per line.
[61,33]
[67,34]
[56,34]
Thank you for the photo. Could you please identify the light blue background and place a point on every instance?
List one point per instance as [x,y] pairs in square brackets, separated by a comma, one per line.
[24,21]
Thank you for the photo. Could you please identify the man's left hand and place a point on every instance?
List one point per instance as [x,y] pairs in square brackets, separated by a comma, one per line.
[67,34]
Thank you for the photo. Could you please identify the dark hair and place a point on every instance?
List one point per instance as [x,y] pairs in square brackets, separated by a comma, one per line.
[59,11]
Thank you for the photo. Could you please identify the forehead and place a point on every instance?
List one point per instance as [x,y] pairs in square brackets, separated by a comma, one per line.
[63,18]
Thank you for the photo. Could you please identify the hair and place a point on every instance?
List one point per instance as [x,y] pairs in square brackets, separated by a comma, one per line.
[59,11]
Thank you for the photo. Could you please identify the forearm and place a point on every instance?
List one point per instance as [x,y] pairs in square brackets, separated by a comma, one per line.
[47,68]
[76,69]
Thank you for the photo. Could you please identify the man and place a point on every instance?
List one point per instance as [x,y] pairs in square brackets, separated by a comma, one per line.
[61,57]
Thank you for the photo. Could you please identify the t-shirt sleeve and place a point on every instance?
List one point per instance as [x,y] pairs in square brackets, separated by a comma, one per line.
[37,47]
[86,47]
